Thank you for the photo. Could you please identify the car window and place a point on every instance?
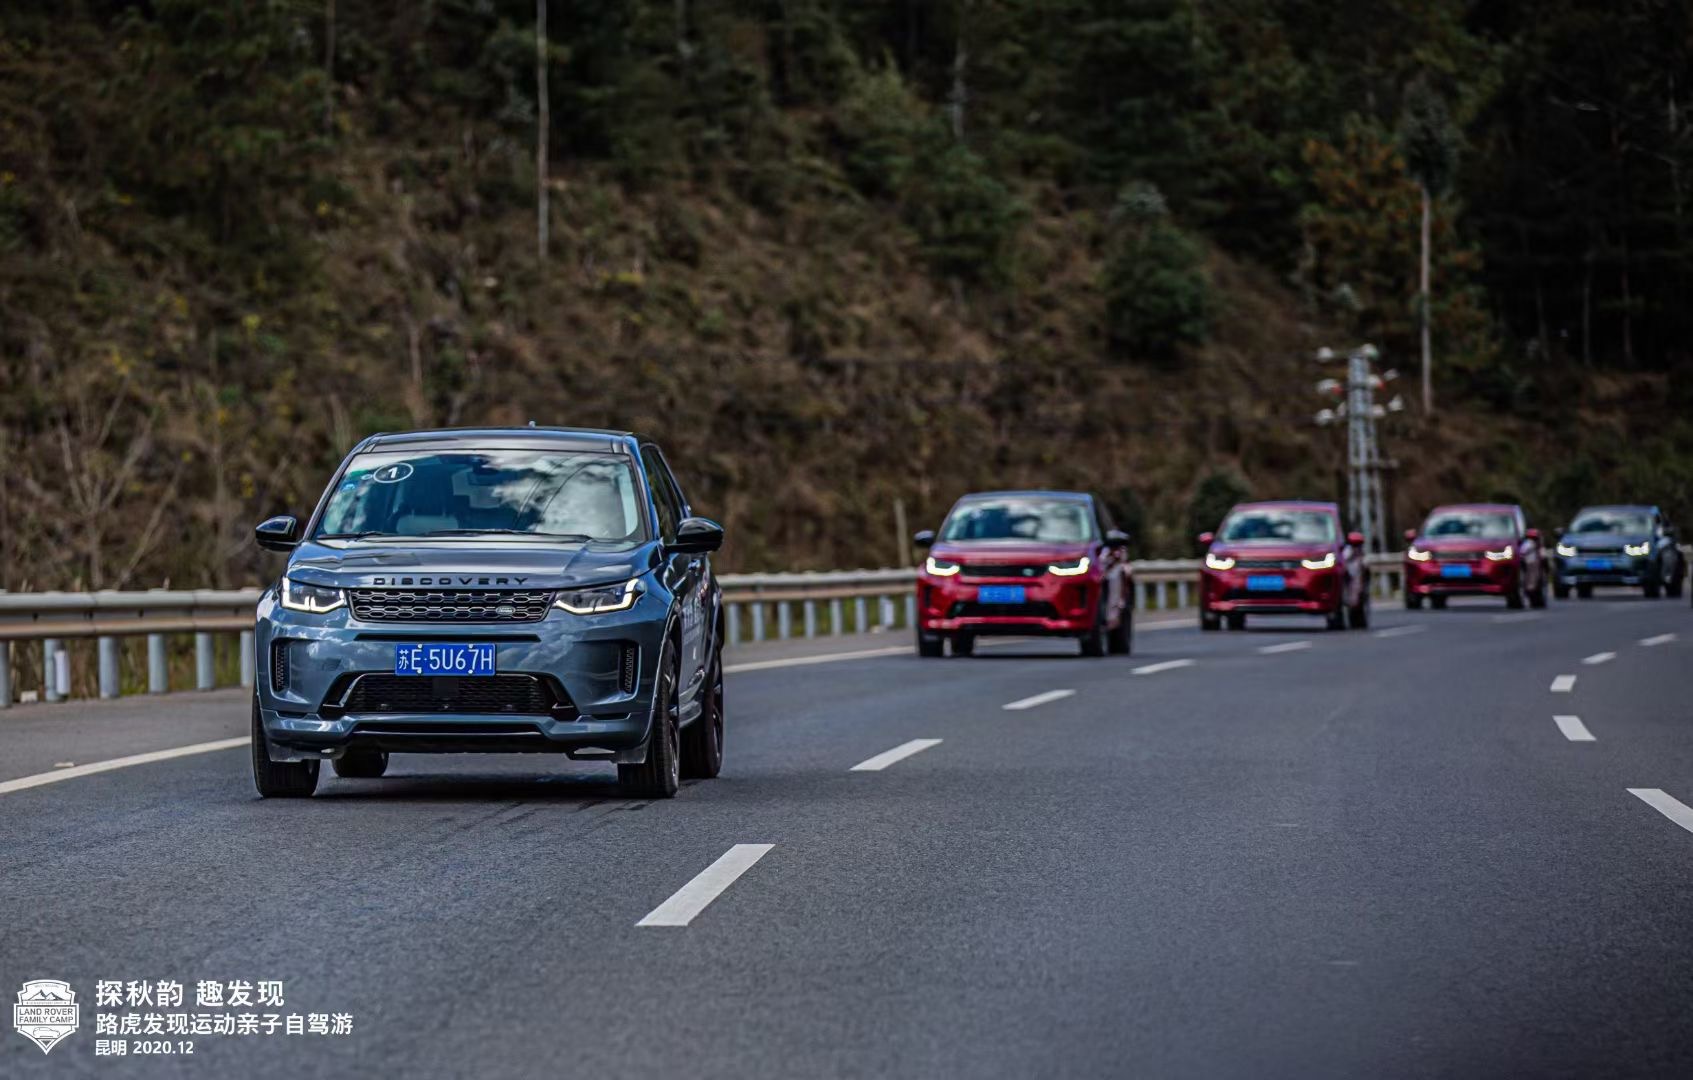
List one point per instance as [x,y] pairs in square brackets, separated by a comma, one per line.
[1021,518]
[580,495]
[1477,524]
[1612,521]
[1271,525]
[665,499]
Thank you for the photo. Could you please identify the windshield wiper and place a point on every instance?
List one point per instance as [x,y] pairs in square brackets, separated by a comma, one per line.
[503,532]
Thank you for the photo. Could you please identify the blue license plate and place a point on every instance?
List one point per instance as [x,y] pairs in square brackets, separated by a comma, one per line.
[1000,594]
[443,658]
[1266,583]
[1599,564]
[1460,570]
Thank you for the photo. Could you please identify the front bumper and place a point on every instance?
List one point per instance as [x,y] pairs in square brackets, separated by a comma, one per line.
[1623,570]
[1056,606]
[1485,577]
[1304,592]
[307,666]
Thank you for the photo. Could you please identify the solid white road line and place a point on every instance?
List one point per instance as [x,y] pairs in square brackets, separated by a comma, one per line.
[93,767]
[1599,658]
[898,753]
[1674,809]
[1572,727]
[1400,631]
[1563,684]
[1038,699]
[708,885]
[1518,616]
[1167,665]
[826,658]
[1658,639]
[1286,646]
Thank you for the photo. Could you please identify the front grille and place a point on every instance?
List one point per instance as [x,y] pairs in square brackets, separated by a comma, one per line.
[1266,594]
[968,609]
[1267,564]
[627,671]
[279,665]
[1599,551]
[1457,556]
[1004,570]
[383,693]
[419,605]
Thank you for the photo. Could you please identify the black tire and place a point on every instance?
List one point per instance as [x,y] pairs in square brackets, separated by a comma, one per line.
[1237,621]
[279,779]
[1413,601]
[1652,588]
[930,645]
[1585,592]
[964,644]
[1438,603]
[1093,642]
[1336,619]
[1514,598]
[1120,639]
[660,775]
[702,741]
[1562,592]
[362,764]
[1210,620]
[1358,618]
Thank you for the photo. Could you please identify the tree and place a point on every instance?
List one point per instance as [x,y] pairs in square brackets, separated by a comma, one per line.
[1429,144]
[1157,294]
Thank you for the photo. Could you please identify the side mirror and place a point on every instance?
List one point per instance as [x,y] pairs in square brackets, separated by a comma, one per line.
[1116,538]
[697,536]
[1355,539]
[1533,534]
[1206,538]
[1410,535]
[924,539]
[280,533]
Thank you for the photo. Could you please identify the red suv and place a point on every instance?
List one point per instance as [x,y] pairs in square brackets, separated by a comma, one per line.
[1283,558]
[1475,549]
[1026,563]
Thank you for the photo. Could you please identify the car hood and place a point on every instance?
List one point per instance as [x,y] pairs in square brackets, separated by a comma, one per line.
[1462,543]
[1603,540]
[1274,550]
[1006,551]
[469,565]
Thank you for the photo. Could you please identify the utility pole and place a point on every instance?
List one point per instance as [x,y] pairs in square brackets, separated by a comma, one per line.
[543,121]
[1365,505]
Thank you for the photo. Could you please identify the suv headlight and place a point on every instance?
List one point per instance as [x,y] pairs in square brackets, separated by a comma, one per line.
[1218,562]
[1566,550]
[1416,554]
[1324,563]
[940,567]
[1637,550]
[316,599]
[1502,555]
[600,599]
[1069,569]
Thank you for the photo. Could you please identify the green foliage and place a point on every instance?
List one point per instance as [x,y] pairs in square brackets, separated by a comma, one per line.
[1157,293]
[1217,494]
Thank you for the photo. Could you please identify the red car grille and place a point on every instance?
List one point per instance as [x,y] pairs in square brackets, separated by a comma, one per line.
[1001,570]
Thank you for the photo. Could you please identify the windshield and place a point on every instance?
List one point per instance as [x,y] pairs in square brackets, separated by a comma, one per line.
[1480,524]
[1612,521]
[1055,520]
[1270,525]
[575,495]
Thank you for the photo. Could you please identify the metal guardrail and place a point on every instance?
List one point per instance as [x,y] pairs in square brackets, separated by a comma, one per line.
[758,607]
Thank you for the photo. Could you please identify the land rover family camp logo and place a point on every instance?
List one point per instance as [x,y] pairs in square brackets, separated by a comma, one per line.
[45,1012]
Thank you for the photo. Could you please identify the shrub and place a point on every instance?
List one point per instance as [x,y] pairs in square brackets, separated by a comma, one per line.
[1157,293]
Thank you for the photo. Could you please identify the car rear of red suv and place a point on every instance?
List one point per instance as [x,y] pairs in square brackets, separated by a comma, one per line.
[1025,563]
[1283,558]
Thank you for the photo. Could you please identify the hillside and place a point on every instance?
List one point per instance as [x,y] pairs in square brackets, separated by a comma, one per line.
[226,254]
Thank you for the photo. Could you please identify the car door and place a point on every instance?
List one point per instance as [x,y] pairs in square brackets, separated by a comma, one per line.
[685,574]
[1113,561]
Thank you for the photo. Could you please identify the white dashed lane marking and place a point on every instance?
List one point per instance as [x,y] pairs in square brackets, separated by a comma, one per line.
[1672,808]
[67,771]
[1038,699]
[1572,727]
[1659,639]
[1599,658]
[898,753]
[707,885]
[1286,646]
[1401,631]
[1563,684]
[1167,665]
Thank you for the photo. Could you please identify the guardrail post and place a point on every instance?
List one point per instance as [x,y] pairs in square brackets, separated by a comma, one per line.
[886,621]
[758,620]
[834,617]
[910,609]
[733,629]
[204,677]
[1140,595]
[811,618]
[158,675]
[5,674]
[784,620]
[1181,593]
[106,651]
[860,615]
[246,658]
[50,669]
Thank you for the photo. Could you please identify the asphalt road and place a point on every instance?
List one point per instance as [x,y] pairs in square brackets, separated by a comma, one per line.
[1301,854]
